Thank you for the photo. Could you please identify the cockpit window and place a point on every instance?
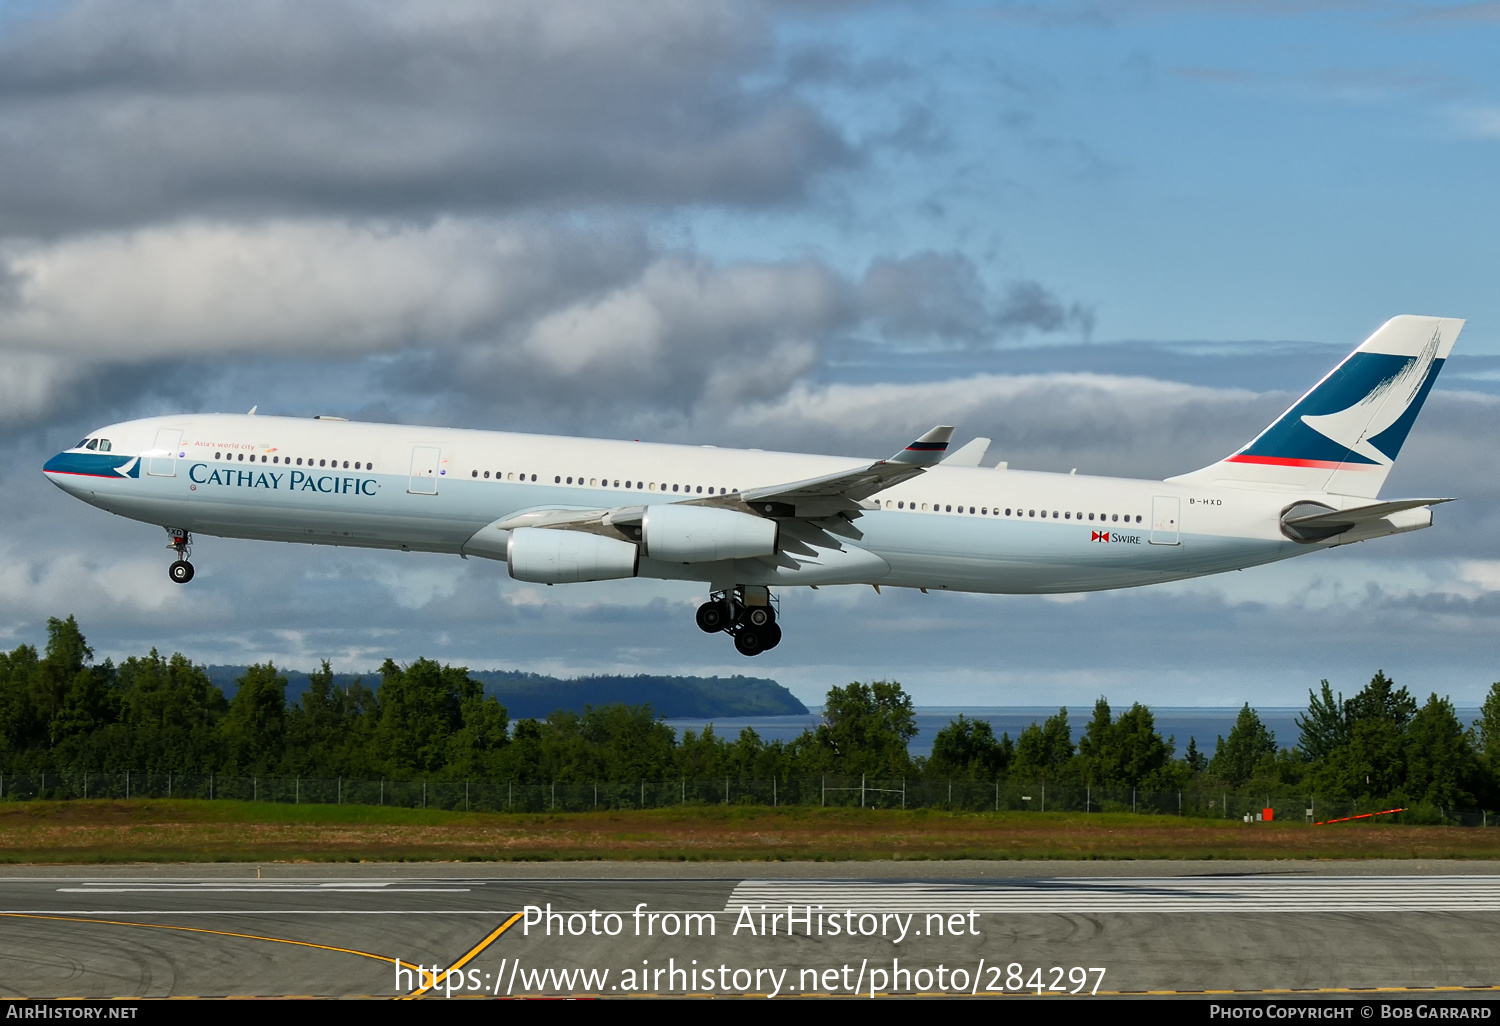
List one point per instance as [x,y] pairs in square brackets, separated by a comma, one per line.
[104,445]
[92,443]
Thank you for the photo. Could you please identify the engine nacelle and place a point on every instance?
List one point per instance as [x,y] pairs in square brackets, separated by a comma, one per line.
[543,556]
[699,534]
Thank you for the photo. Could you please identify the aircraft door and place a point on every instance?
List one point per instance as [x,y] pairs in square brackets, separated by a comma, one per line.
[1166,511]
[424,470]
[164,461]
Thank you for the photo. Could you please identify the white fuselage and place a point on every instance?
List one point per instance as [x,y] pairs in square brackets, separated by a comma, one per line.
[432,489]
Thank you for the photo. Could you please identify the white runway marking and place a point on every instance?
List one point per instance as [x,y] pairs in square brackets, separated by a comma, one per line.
[275,888]
[1319,895]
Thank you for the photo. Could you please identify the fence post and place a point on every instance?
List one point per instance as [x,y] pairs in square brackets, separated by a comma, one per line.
[861,790]
[466,796]
[1132,799]
[510,788]
[824,801]
[903,792]
[296,790]
[596,792]
[1044,796]
[726,790]
[643,793]
[424,792]
[210,787]
[950,795]
[382,790]
[1088,797]
[1224,798]
[85,787]
[127,784]
[773,790]
[997,794]
[339,799]
[1179,803]
[681,801]
[169,785]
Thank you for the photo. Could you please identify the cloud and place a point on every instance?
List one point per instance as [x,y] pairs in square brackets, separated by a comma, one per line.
[118,112]
[520,310]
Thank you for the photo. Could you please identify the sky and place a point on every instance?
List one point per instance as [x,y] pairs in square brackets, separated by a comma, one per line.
[1120,237]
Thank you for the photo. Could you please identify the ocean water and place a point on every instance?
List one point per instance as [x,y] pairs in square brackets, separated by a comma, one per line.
[1205,723]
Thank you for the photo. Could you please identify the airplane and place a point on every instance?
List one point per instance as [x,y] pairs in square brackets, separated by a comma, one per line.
[560,510]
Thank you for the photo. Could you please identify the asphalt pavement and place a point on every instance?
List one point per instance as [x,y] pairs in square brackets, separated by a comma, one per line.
[754,929]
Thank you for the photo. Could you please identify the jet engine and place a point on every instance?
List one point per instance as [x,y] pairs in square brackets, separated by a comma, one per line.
[543,556]
[699,534]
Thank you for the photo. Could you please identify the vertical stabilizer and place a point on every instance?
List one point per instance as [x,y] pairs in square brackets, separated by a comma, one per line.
[1343,436]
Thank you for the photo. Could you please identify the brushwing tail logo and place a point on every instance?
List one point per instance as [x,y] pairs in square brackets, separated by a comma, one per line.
[1385,404]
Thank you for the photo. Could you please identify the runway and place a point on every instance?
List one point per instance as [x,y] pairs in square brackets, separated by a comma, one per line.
[788,930]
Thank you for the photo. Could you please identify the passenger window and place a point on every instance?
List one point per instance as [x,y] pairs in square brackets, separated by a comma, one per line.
[674,488]
[557,479]
[1117,516]
[924,507]
[1067,516]
[901,505]
[218,455]
[950,510]
[1138,519]
[888,504]
[984,511]
[1032,513]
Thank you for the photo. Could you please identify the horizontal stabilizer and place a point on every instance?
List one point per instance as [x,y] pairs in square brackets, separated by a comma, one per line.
[1311,522]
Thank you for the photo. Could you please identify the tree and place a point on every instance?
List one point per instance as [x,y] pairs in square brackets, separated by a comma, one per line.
[967,748]
[865,729]
[1125,752]
[255,728]
[1043,752]
[1325,728]
[1193,758]
[169,717]
[1441,766]
[1236,759]
[421,707]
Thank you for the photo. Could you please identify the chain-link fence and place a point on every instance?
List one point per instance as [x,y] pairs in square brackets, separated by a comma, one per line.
[825,791]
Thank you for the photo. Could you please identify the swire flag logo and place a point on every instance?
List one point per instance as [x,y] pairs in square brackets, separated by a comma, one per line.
[1100,536]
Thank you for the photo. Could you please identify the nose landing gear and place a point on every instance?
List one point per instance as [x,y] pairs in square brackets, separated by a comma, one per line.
[747,614]
[180,542]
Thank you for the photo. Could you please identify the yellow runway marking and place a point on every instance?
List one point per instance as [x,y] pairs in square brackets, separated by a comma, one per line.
[466,959]
[199,929]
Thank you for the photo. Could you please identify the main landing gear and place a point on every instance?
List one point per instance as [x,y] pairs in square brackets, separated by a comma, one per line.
[746,614]
[180,542]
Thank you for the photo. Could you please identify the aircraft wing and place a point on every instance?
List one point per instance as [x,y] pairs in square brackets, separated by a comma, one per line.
[814,512]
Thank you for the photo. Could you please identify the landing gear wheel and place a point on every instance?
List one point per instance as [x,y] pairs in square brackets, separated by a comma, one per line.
[713,617]
[181,571]
[760,616]
[748,642]
[770,636]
